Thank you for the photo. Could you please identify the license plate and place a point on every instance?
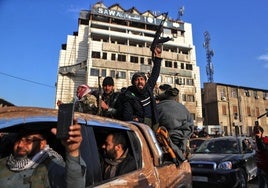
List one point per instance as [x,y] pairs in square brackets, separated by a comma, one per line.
[200,178]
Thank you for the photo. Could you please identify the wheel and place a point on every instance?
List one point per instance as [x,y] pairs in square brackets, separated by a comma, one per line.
[243,179]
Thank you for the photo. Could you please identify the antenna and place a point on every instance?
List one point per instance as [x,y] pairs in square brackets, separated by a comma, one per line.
[209,53]
[180,12]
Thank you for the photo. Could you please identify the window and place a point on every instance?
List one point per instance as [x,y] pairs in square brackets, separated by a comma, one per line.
[189,67]
[94,72]
[190,98]
[169,80]
[182,65]
[112,73]
[142,60]
[149,61]
[103,72]
[97,136]
[134,59]
[183,97]
[190,82]
[104,55]
[223,94]
[113,57]
[121,75]
[224,110]
[248,111]
[256,94]
[247,93]
[168,64]
[193,116]
[121,57]
[233,93]
[235,112]
[96,54]
[175,65]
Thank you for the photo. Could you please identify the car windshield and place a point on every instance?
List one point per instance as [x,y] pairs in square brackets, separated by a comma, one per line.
[221,146]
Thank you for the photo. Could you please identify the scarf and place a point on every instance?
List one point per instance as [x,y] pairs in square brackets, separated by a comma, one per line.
[110,170]
[84,89]
[26,163]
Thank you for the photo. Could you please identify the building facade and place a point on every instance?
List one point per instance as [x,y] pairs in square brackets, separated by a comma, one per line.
[235,108]
[112,41]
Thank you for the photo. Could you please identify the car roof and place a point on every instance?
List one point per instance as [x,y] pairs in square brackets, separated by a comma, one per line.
[11,117]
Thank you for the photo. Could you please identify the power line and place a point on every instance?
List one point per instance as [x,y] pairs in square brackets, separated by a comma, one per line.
[26,80]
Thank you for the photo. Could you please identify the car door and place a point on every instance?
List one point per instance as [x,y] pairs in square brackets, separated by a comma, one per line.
[94,134]
[249,157]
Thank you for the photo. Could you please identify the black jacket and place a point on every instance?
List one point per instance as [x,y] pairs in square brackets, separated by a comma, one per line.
[132,107]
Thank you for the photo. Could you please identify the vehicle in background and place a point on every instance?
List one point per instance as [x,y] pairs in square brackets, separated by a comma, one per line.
[224,162]
[194,143]
[152,170]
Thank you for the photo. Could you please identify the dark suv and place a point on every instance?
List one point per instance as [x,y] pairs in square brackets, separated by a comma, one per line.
[224,162]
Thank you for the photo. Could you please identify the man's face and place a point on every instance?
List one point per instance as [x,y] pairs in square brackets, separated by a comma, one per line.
[78,90]
[139,82]
[29,145]
[108,89]
[109,148]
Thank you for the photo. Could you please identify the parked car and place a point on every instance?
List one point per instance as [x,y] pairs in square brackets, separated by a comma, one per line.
[151,168]
[224,162]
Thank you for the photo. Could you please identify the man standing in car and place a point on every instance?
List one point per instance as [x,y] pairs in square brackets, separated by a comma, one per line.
[109,101]
[140,104]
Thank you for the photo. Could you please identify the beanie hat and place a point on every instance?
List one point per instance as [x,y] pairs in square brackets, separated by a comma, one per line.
[160,95]
[108,81]
[137,75]
[83,91]
[171,93]
[164,87]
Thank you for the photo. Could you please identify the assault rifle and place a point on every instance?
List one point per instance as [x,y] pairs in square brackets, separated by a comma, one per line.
[157,39]
[99,97]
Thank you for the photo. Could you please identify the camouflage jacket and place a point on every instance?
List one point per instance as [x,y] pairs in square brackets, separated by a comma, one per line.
[87,104]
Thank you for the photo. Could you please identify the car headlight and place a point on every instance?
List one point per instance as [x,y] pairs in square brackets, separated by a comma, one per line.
[225,165]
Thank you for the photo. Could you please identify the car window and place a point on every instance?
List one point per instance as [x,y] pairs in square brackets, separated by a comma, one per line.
[247,145]
[96,135]
[89,152]
[219,146]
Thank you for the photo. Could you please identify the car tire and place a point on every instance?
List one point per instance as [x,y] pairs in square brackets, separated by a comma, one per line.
[242,179]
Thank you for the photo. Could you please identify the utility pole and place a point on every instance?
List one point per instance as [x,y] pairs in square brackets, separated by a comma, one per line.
[209,54]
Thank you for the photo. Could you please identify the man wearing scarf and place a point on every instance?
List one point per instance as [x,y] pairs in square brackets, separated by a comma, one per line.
[34,164]
[87,102]
[117,159]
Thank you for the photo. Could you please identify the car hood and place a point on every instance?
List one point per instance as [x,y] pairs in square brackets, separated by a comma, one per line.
[214,157]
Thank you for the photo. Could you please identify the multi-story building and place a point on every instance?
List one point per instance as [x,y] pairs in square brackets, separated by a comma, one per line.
[234,107]
[112,41]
